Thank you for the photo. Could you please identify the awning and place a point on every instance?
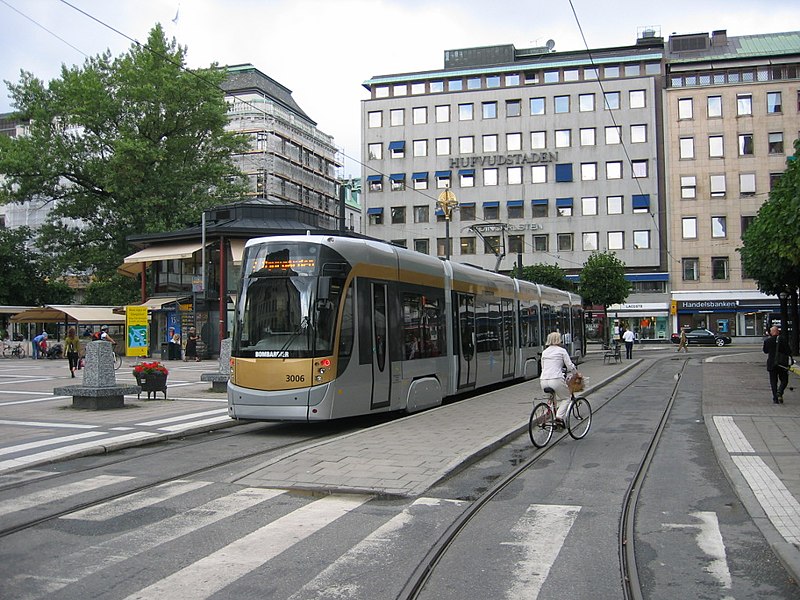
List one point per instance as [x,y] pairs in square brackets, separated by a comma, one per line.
[443,173]
[374,177]
[164,252]
[375,210]
[420,175]
[72,313]
[159,301]
[563,202]
[466,172]
[237,250]
[641,201]
[539,202]
[397,145]
[492,204]
[514,203]
[397,176]
[466,204]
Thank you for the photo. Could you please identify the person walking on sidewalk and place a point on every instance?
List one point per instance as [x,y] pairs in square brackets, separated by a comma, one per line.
[628,338]
[554,360]
[72,349]
[683,342]
[778,359]
[191,346]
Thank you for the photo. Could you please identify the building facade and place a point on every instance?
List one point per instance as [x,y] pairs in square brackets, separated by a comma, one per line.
[731,115]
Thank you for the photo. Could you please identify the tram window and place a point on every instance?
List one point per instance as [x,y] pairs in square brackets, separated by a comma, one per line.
[423,324]
[346,333]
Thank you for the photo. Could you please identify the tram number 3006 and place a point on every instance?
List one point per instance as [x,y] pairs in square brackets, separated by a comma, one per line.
[295,378]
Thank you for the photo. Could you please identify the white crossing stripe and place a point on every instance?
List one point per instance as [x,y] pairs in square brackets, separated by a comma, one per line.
[58,493]
[50,442]
[88,562]
[207,413]
[212,573]
[49,425]
[540,534]
[732,436]
[174,428]
[143,499]
[709,540]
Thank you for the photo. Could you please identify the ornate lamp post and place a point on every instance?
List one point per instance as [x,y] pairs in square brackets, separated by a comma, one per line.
[447,202]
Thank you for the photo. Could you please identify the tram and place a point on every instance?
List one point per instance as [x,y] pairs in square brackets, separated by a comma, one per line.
[328,327]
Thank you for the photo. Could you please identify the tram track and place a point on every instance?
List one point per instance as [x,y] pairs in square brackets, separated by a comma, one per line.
[630,584]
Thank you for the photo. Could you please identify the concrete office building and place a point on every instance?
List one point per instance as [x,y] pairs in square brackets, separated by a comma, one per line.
[731,115]
[551,155]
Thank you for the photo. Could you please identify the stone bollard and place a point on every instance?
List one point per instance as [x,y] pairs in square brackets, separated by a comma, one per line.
[99,389]
[219,380]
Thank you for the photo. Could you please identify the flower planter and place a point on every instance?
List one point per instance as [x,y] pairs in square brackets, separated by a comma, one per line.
[152,383]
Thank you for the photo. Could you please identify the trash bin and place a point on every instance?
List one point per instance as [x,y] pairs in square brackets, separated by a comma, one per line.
[165,351]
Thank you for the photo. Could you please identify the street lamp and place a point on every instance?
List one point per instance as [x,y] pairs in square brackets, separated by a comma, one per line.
[447,202]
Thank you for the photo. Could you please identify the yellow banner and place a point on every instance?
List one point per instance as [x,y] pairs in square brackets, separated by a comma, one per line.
[137,339]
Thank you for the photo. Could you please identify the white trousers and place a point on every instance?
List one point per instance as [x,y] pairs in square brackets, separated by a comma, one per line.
[562,394]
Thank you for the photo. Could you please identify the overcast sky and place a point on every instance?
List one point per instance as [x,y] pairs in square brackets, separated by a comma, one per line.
[323,50]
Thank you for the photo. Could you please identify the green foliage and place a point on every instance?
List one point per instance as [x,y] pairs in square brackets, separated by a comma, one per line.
[24,282]
[602,280]
[127,145]
[116,290]
[550,275]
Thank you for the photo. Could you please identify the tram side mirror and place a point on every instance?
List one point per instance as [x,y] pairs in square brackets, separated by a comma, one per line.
[323,291]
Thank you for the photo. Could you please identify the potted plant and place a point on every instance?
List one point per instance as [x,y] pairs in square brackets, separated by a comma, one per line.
[151,377]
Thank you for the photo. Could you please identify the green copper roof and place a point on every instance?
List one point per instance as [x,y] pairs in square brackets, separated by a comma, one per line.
[745,46]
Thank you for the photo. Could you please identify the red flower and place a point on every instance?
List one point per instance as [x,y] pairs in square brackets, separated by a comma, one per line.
[147,368]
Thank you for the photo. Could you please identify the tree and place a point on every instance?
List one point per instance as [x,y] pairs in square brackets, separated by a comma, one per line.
[551,275]
[24,284]
[602,281]
[131,145]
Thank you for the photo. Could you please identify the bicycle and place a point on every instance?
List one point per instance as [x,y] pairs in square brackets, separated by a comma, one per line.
[542,422]
[117,357]
[13,351]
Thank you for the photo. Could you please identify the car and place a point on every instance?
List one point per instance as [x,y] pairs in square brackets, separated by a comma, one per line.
[696,337]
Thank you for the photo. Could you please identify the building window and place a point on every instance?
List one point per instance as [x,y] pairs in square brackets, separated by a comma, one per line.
[421,214]
[376,216]
[614,170]
[614,205]
[589,206]
[398,214]
[773,179]
[455,85]
[745,144]
[714,104]
[489,110]
[688,187]
[474,83]
[399,89]
[561,104]
[590,241]
[492,81]
[563,138]
[747,220]
[539,209]
[397,149]
[512,80]
[719,227]
[398,182]
[465,112]
[422,246]
[375,151]
[571,75]
[442,246]
[774,102]
[539,174]
[744,105]
[417,89]
[551,76]
[442,146]
[638,134]
[516,210]
[588,171]
[636,97]
[718,186]
[375,119]
[563,172]
[466,211]
[715,146]
[591,73]
[401,243]
[641,239]
[537,106]
[639,169]
[420,181]
[541,243]
[490,177]
[442,180]
[616,240]
[513,108]
[443,113]
[420,147]
[564,207]
[775,141]
[513,141]
[516,244]
[436,87]
[466,178]
[564,242]
[690,269]
[376,184]
[468,245]
[419,115]
[685,108]
[588,136]
[382,91]
[719,267]
[686,148]
[611,100]
[747,184]
[610,72]
[397,117]
[490,143]
[538,140]
[613,135]
[466,144]
[514,175]
[586,102]
[689,225]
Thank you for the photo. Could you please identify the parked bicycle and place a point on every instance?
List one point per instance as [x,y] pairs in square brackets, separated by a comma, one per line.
[13,351]
[543,423]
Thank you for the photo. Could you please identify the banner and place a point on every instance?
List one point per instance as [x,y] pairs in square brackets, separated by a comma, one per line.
[138,342]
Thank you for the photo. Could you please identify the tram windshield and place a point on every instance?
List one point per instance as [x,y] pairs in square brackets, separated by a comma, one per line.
[289,300]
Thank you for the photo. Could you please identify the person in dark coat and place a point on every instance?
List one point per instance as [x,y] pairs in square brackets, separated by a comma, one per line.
[778,358]
[190,352]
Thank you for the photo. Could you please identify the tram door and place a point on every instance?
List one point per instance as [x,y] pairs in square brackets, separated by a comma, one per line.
[509,348]
[381,376]
[467,365]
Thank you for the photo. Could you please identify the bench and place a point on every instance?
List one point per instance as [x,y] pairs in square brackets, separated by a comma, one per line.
[613,352]
[219,381]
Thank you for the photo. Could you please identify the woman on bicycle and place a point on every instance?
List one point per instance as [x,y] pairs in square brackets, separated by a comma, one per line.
[555,360]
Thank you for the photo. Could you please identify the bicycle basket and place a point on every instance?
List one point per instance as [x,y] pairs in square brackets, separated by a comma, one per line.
[576,383]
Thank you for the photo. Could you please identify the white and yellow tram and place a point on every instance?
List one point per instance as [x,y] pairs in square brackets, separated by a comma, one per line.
[329,327]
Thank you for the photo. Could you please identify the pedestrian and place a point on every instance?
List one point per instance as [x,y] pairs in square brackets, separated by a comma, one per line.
[683,342]
[553,363]
[174,339]
[37,345]
[778,359]
[191,346]
[628,338]
[72,347]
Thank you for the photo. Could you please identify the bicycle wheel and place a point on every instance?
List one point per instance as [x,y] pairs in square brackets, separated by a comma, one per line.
[117,361]
[19,352]
[540,425]
[579,418]
[6,351]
